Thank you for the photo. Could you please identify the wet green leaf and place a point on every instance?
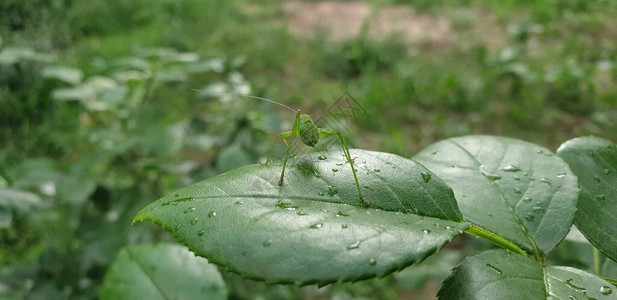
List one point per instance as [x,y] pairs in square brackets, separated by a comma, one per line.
[161,272]
[594,161]
[515,189]
[314,228]
[499,274]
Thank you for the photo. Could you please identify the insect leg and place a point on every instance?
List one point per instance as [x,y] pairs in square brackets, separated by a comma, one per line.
[282,136]
[293,133]
[343,142]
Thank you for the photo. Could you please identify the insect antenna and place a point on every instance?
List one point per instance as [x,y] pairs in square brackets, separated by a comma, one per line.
[251,96]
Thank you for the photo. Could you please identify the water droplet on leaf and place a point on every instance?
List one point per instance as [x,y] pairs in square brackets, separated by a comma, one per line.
[355,245]
[201,232]
[188,210]
[344,226]
[426,231]
[194,221]
[267,243]
[511,168]
[426,176]
[372,262]
[316,226]
[322,157]
[332,191]
[498,271]
[212,214]
[605,290]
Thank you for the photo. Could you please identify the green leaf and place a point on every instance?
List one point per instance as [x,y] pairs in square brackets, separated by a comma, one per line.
[500,274]
[512,188]
[19,202]
[161,272]
[66,74]
[313,229]
[594,161]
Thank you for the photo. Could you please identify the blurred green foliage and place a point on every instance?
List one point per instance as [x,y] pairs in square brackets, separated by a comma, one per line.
[107,105]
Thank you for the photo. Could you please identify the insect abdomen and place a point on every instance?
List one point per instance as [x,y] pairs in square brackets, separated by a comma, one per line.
[309,132]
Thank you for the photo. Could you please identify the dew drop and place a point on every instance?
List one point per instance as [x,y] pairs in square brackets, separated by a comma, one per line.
[332,191]
[368,187]
[545,180]
[316,226]
[527,199]
[212,214]
[539,151]
[548,153]
[517,191]
[201,232]
[561,175]
[436,224]
[377,170]
[516,178]
[372,262]
[286,206]
[448,227]
[321,194]
[177,195]
[511,168]
[339,164]
[529,216]
[605,290]
[342,214]
[490,176]
[239,202]
[301,213]
[322,157]
[355,245]
[489,214]
[188,210]
[596,179]
[600,197]
[426,231]
[494,269]
[177,201]
[334,170]
[434,152]
[426,176]
[607,171]
[344,226]
[574,287]
[267,243]
[194,221]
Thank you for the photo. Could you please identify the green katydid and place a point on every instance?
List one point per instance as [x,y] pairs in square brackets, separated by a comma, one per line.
[306,130]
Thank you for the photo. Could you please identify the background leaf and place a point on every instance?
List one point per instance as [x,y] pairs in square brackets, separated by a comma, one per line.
[162,272]
[515,189]
[594,161]
[313,228]
[500,274]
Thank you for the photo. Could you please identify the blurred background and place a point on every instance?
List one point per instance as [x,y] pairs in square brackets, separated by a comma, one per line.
[107,105]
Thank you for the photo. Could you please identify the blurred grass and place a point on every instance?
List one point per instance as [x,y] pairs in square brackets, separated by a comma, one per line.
[543,71]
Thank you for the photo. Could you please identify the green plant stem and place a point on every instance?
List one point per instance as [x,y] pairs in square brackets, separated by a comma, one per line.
[596,261]
[495,239]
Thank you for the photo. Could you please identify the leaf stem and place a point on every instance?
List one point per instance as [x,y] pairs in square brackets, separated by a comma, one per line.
[495,239]
[596,261]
